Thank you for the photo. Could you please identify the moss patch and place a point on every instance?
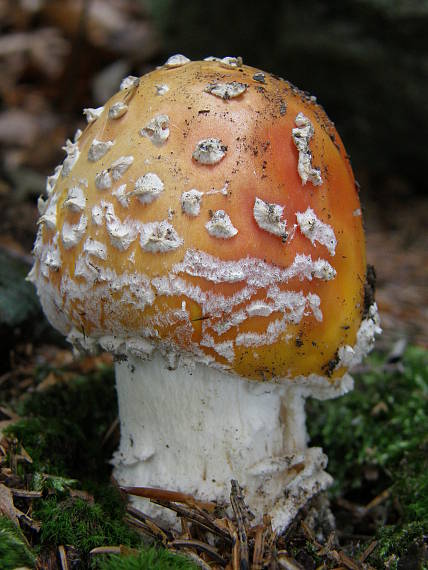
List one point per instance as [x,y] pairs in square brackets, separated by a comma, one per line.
[14,551]
[150,559]
[376,439]
[63,427]
[84,525]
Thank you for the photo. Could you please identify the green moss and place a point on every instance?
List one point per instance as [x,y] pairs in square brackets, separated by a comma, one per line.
[376,439]
[380,423]
[82,524]
[44,482]
[14,551]
[51,442]
[149,559]
[85,526]
[63,427]
[396,542]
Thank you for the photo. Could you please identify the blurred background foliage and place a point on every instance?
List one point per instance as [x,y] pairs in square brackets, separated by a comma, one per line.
[366,61]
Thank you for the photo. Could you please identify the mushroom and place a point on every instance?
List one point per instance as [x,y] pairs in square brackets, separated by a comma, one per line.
[209,235]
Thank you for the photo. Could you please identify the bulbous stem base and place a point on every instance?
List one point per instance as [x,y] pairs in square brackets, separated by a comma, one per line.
[194,430]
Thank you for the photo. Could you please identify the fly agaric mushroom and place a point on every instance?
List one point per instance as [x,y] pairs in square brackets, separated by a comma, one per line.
[205,228]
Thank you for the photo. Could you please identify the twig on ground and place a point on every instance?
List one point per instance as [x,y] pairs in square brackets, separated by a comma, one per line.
[113,427]
[368,551]
[201,547]
[236,500]
[166,495]
[119,550]
[24,494]
[148,527]
[63,558]
[235,557]
[259,547]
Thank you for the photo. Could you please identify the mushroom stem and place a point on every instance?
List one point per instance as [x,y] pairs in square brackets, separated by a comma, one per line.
[194,430]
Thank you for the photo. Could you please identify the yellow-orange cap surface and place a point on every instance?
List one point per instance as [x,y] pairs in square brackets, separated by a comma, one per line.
[209,209]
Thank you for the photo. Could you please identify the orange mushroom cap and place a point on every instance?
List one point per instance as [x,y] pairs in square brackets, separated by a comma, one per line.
[208,209]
